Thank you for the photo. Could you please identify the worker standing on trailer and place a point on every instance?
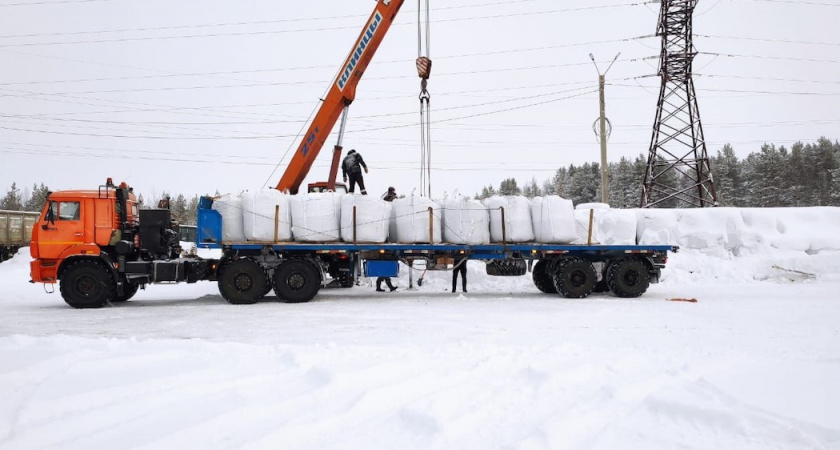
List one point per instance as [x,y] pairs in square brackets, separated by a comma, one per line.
[460,267]
[388,197]
[352,167]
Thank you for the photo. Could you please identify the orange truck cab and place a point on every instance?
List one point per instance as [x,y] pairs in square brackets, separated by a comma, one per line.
[101,248]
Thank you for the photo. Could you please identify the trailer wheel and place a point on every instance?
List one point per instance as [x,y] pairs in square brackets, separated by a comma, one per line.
[296,281]
[542,280]
[575,277]
[242,282]
[129,289]
[87,284]
[628,277]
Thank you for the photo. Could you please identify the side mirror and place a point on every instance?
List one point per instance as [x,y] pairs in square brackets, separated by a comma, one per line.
[50,217]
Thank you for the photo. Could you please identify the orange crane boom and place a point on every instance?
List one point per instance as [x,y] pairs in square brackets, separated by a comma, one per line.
[340,96]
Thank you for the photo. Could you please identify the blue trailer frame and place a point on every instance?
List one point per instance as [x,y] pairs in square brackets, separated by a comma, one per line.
[574,271]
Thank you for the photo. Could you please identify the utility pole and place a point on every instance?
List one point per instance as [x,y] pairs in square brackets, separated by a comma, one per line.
[604,135]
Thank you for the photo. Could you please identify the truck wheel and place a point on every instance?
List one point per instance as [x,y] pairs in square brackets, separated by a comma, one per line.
[542,280]
[628,277]
[87,284]
[242,282]
[575,277]
[129,289]
[296,281]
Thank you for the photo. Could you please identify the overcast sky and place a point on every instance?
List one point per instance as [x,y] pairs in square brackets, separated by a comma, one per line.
[197,96]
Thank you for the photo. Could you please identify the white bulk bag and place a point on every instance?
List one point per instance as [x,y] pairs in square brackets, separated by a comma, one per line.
[258,215]
[517,224]
[554,220]
[466,222]
[609,226]
[412,217]
[230,208]
[316,217]
[373,217]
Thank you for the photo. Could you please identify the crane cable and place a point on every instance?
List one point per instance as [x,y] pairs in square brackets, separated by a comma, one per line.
[424,68]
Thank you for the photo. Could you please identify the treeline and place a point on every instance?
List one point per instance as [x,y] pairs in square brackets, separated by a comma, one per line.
[804,175]
[16,199]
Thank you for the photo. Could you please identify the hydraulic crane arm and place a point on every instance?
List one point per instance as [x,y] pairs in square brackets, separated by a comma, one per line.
[341,94]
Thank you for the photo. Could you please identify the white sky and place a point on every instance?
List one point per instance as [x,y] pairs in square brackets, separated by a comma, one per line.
[218,110]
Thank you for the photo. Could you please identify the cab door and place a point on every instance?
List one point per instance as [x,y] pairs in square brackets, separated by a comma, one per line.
[62,228]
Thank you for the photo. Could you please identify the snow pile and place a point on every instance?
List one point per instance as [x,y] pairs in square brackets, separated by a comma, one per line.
[373,217]
[741,231]
[412,218]
[258,216]
[466,222]
[517,222]
[554,220]
[230,208]
[316,217]
[609,226]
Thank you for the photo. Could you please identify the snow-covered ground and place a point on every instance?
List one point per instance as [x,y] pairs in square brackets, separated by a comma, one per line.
[754,364]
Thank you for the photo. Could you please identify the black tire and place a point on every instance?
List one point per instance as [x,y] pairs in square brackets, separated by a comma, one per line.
[296,281]
[129,289]
[628,277]
[507,268]
[345,279]
[575,277]
[87,284]
[242,282]
[542,280]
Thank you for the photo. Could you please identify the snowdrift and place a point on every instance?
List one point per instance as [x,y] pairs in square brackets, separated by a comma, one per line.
[742,231]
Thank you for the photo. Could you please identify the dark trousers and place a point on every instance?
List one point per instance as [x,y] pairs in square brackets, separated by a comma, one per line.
[387,281]
[357,178]
[462,269]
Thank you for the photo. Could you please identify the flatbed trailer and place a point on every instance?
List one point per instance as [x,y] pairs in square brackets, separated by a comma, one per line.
[296,271]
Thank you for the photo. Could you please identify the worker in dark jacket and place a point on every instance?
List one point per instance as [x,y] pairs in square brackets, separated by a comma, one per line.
[352,167]
[460,267]
[388,197]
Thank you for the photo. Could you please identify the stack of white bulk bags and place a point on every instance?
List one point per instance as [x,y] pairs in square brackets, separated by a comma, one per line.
[259,209]
[609,226]
[517,224]
[465,222]
[554,220]
[373,216]
[230,208]
[412,217]
[316,217]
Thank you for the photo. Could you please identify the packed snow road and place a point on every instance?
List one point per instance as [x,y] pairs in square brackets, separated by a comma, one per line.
[754,364]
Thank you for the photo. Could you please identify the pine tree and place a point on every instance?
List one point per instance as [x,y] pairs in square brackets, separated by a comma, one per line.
[178,208]
[38,198]
[532,189]
[509,187]
[12,200]
[727,177]
[191,214]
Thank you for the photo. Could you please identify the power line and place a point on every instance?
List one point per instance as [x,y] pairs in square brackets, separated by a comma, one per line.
[782,41]
[781,58]
[300,30]
[168,74]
